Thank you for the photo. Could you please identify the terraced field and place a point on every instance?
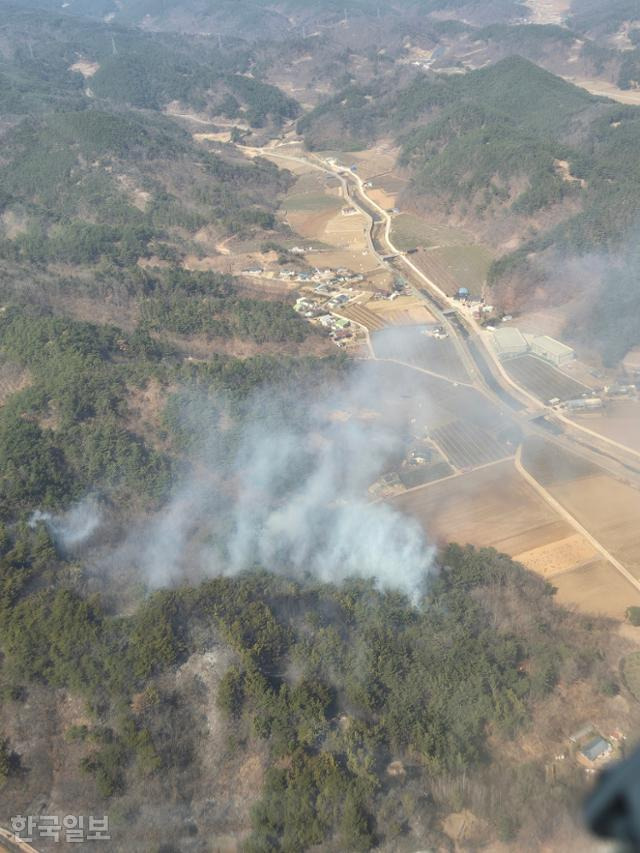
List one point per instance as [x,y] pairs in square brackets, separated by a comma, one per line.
[468,446]
[543,379]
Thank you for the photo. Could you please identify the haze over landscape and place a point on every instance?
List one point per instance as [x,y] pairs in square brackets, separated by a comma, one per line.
[319,422]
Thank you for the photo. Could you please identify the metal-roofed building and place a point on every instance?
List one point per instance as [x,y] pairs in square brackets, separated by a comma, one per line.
[508,342]
[551,350]
[595,751]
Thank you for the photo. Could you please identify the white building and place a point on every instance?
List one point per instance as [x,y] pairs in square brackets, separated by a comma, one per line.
[508,341]
[551,350]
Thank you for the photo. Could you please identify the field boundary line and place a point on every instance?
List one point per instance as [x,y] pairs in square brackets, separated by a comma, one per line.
[564,513]
[444,479]
[455,382]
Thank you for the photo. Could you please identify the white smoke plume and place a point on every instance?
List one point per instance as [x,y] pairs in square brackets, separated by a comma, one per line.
[73,528]
[284,487]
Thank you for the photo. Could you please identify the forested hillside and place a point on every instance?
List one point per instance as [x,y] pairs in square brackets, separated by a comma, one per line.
[255,19]
[356,710]
[159,662]
[513,152]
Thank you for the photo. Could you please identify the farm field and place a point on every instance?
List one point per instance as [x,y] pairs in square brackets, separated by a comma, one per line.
[609,509]
[543,379]
[403,311]
[596,588]
[310,202]
[362,315]
[489,507]
[313,210]
[494,507]
[551,466]
[346,232]
[385,199]
[435,402]
[391,183]
[357,260]
[412,346]
[447,402]
[620,422]
[310,206]
[374,161]
[560,556]
[467,265]
[449,274]
[608,90]
[467,446]
[409,231]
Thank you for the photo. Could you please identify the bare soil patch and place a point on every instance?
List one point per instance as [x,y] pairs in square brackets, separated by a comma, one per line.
[145,407]
[549,11]
[85,67]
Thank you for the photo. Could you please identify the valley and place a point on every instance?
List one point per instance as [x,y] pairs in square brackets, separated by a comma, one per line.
[319,406]
[574,554]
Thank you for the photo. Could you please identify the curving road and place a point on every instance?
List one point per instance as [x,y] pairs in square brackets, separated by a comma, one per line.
[485,370]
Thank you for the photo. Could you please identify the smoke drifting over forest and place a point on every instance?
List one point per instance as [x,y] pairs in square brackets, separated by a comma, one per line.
[280,485]
[73,528]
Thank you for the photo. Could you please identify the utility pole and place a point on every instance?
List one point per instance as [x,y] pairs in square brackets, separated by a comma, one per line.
[219,41]
[114,49]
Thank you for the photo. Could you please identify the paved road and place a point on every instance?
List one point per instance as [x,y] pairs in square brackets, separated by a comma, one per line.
[481,363]
[488,373]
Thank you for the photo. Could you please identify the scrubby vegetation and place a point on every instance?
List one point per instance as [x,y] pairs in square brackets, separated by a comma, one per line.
[339,682]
